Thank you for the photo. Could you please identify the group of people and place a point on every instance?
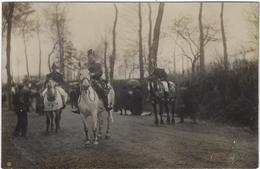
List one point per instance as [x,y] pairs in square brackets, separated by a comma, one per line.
[21,97]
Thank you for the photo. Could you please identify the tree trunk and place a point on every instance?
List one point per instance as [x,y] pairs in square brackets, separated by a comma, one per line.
[193,67]
[113,56]
[60,38]
[49,56]
[224,37]
[105,61]
[156,35]
[40,53]
[141,63]
[150,39]
[25,53]
[202,59]
[174,58]
[8,53]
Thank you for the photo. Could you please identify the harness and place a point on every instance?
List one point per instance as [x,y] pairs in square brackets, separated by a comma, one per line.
[158,90]
[86,89]
[52,98]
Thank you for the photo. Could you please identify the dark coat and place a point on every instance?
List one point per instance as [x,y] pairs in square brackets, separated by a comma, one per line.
[56,76]
[96,69]
[21,100]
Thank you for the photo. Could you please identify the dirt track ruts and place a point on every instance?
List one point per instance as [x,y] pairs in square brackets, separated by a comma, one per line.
[136,142]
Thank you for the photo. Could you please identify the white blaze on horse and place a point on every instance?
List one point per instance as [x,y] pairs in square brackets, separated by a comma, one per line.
[91,105]
[55,99]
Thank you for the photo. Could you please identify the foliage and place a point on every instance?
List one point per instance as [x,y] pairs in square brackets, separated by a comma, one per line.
[228,96]
[21,12]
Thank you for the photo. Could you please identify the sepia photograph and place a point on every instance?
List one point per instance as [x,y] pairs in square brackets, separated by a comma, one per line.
[129,84]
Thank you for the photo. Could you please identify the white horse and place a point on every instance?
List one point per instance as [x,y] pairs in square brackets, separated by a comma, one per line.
[91,105]
[54,97]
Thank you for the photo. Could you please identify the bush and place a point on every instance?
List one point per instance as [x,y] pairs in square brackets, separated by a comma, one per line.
[228,96]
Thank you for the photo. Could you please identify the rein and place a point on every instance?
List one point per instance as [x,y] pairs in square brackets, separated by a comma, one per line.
[86,89]
[51,98]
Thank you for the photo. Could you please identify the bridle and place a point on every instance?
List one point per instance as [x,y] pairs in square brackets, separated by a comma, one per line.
[49,87]
[84,87]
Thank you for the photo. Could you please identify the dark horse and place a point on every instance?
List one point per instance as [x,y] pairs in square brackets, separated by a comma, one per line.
[162,93]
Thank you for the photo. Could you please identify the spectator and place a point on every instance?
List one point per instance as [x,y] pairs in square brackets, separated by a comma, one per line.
[21,107]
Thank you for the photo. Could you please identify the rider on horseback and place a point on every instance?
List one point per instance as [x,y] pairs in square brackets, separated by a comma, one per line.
[55,75]
[99,84]
[58,79]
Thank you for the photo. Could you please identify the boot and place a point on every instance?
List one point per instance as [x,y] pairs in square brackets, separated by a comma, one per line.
[105,100]
[76,110]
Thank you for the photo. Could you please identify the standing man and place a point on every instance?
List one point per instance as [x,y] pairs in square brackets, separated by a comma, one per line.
[21,107]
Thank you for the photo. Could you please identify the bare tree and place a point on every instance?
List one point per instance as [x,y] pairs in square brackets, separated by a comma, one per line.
[12,16]
[149,39]
[253,19]
[49,55]
[141,63]
[202,58]
[105,60]
[188,33]
[27,26]
[223,37]
[57,20]
[113,56]
[39,45]
[156,35]
[174,55]
[8,18]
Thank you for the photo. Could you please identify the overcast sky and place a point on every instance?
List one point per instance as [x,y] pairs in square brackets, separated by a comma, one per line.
[88,23]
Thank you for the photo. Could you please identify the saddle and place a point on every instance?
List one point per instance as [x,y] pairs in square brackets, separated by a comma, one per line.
[100,86]
[54,102]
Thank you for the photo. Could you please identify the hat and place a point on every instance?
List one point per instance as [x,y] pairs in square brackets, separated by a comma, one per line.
[20,86]
[54,66]
[90,52]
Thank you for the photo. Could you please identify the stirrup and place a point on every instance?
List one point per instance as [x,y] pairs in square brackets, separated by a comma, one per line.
[75,111]
[108,108]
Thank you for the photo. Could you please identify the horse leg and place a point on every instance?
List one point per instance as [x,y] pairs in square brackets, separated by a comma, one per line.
[167,110]
[57,121]
[100,122]
[85,128]
[51,120]
[95,120]
[59,115]
[161,111]
[108,125]
[47,122]
[173,107]
[86,133]
[155,112]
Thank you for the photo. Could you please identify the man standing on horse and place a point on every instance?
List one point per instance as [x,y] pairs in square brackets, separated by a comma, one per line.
[98,83]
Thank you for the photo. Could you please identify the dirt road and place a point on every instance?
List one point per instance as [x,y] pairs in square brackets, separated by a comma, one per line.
[135,142]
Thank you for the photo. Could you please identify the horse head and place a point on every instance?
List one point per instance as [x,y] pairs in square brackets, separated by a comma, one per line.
[51,92]
[84,77]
